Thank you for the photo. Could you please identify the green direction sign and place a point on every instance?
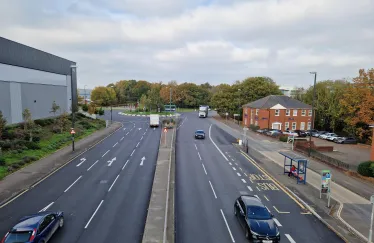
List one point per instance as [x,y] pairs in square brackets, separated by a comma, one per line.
[325,181]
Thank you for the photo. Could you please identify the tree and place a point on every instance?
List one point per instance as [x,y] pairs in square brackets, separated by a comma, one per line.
[2,123]
[91,108]
[28,122]
[63,120]
[103,96]
[54,108]
[143,101]
[154,99]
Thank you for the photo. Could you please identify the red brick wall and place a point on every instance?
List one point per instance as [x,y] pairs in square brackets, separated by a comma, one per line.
[265,120]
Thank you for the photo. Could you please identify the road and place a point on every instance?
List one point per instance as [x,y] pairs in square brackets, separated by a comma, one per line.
[212,173]
[104,193]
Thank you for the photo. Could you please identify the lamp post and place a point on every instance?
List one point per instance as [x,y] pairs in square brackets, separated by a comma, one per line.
[72,70]
[312,122]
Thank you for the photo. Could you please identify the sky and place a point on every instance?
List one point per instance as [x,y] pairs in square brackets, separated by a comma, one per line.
[215,41]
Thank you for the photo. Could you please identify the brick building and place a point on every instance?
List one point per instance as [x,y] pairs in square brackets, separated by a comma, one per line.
[278,112]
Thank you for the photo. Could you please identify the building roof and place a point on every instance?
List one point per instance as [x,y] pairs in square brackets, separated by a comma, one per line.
[273,100]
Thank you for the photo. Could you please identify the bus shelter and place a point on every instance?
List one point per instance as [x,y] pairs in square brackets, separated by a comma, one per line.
[299,162]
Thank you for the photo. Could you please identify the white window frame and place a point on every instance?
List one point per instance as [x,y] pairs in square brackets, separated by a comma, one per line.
[256,112]
[277,112]
[303,112]
[293,123]
[288,111]
[286,125]
[256,123]
[301,126]
[294,112]
[309,112]
[251,121]
[309,126]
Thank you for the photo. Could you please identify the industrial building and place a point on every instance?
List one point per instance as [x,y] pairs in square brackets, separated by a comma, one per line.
[33,79]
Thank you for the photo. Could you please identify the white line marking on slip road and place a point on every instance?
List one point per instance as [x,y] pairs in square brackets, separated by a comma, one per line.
[110,188]
[230,163]
[258,197]
[199,155]
[132,152]
[93,215]
[67,189]
[238,174]
[213,190]
[115,144]
[266,198]
[138,144]
[250,188]
[195,146]
[46,207]
[216,144]
[105,153]
[125,165]
[141,138]
[258,188]
[227,225]
[92,165]
[244,181]
[128,132]
[277,222]
[233,168]
[290,238]
[122,138]
[204,169]
[143,134]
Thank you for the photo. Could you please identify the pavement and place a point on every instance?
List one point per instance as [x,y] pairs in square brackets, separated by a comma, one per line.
[353,208]
[104,192]
[211,173]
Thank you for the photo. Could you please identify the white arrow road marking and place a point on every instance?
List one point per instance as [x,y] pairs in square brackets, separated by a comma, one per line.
[46,207]
[111,161]
[141,163]
[82,161]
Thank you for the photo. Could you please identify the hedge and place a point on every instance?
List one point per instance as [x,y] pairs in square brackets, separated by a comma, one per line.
[366,168]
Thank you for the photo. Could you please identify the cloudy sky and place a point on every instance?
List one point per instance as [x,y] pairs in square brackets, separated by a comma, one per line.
[218,41]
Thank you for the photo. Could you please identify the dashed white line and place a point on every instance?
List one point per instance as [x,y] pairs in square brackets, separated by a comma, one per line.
[244,181]
[144,133]
[238,174]
[46,207]
[93,215]
[227,225]
[128,132]
[132,152]
[250,188]
[241,169]
[115,144]
[199,155]
[141,138]
[233,168]
[266,198]
[195,146]
[245,174]
[105,153]
[122,138]
[138,144]
[277,222]
[110,188]
[216,144]
[92,165]
[234,160]
[67,189]
[237,164]
[204,169]
[213,190]
[258,188]
[125,165]
[290,238]
[230,163]
[267,208]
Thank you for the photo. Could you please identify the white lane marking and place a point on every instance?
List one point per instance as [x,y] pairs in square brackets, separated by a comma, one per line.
[122,138]
[195,146]
[199,155]
[142,161]
[110,188]
[233,168]
[141,138]
[227,225]
[46,207]
[124,129]
[128,132]
[290,238]
[125,164]
[244,181]
[204,169]
[67,189]
[138,144]
[230,163]
[132,152]
[258,188]
[115,144]
[277,222]
[237,164]
[241,169]
[216,144]
[245,174]
[234,160]
[82,161]
[92,165]
[105,153]
[266,198]
[250,188]
[93,215]
[238,174]
[213,190]
[143,134]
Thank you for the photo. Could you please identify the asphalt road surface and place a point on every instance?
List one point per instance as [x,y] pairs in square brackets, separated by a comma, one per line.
[211,174]
[104,193]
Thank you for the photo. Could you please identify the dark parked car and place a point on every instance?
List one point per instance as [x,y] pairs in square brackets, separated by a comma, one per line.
[301,133]
[200,134]
[263,131]
[256,219]
[317,134]
[346,140]
[311,132]
[36,228]
[274,132]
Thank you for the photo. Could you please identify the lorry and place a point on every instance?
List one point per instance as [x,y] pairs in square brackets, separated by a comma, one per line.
[203,111]
[154,120]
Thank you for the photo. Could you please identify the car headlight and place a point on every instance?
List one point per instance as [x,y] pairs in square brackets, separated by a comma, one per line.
[254,234]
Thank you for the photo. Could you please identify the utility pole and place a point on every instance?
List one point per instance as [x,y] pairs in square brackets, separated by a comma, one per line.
[312,118]
[72,103]
[111,113]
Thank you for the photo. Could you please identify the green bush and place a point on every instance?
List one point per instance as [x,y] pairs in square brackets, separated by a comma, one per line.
[32,145]
[2,161]
[28,159]
[283,138]
[34,138]
[101,111]
[253,127]
[44,122]
[85,124]
[8,134]
[365,168]
[85,107]
[5,145]
[372,169]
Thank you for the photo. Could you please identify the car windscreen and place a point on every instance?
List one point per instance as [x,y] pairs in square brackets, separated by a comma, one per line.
[257,212]
[18,237]
[200,132]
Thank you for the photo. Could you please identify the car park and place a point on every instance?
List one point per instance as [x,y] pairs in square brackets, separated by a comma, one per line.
[332,136]
[346,140]
[256,219]
[263,131]
[324,136]
[311,132]
[301,133]
[273,132]
[36,228]
[200,134]
[318,134]
[290,133]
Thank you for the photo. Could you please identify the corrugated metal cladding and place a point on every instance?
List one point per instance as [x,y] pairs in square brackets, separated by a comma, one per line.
[16,54]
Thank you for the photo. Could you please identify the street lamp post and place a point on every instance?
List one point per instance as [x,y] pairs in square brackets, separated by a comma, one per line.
[312,121]
[72,70]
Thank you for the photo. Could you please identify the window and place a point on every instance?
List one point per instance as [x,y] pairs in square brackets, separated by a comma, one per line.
[251,121]
[309,112]
[276,112]
[251,111]
[293,125]
[287,112]
[294,113]
[245,121]
[256,123]
[302,125]
[309,125]
[256,112]
[286,125]
[303,112]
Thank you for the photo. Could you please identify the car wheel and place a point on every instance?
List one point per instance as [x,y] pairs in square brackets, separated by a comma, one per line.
[342,142]
[61,222]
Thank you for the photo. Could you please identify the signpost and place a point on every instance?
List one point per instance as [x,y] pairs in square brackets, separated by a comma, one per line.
[72,132]
[372,219]
[326,185]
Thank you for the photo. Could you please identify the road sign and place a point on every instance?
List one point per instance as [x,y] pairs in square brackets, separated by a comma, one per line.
[72,131]
[165,129]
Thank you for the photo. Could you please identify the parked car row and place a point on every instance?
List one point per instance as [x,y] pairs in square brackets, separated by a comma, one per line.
[333,137]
